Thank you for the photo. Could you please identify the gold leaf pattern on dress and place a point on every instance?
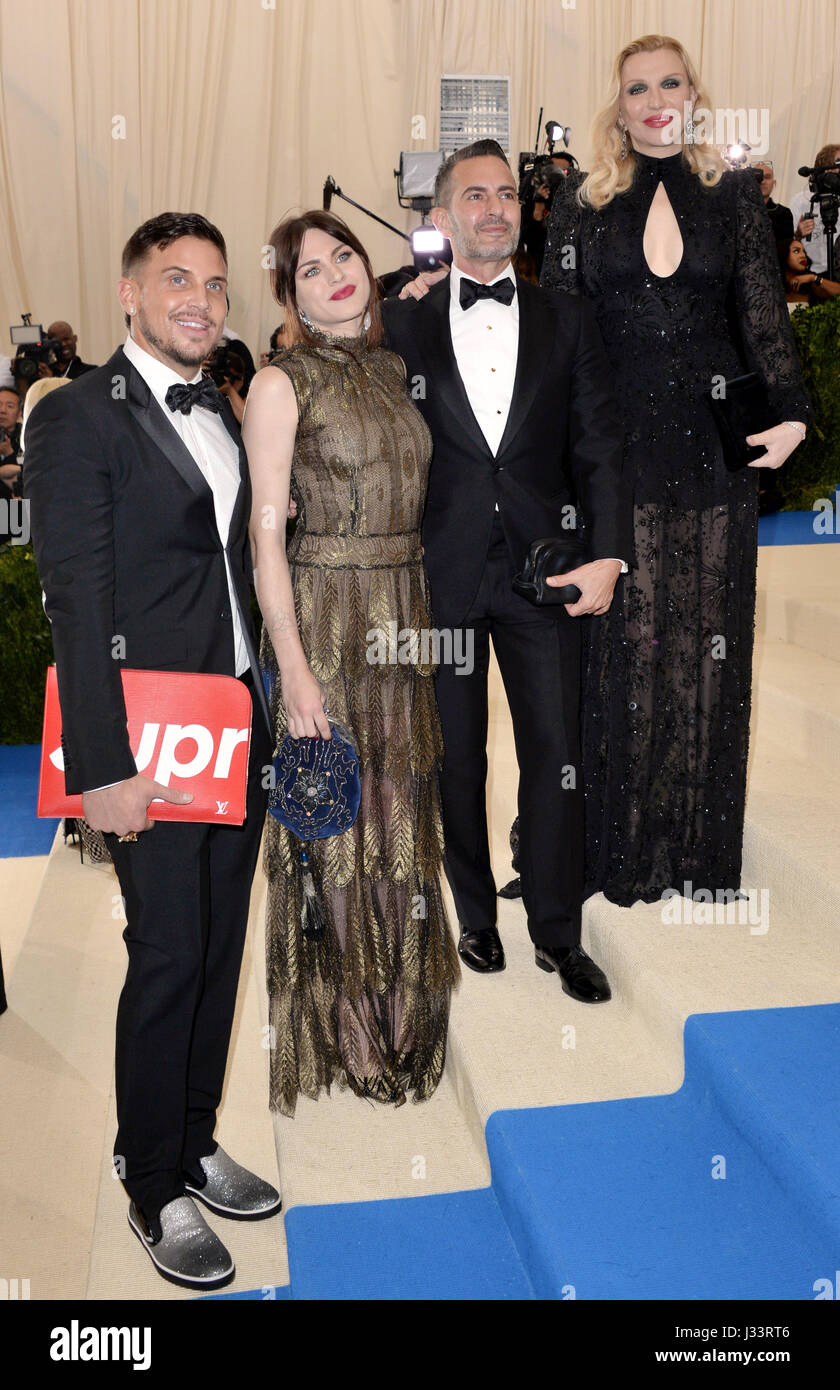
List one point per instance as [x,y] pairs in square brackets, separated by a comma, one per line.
[367,1004]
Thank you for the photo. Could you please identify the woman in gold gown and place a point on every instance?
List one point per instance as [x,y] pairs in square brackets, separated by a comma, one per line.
[346,630]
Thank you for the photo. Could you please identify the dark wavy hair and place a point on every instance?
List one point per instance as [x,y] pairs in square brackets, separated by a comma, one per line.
[286,241]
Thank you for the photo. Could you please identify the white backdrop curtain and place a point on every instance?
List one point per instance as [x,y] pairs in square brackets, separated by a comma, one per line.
[240,108]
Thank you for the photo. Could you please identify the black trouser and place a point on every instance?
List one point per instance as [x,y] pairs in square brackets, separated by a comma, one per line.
[538,651]
[186,889]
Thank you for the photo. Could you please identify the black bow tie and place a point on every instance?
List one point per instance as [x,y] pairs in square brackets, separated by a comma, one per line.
[471,291]
[204,392]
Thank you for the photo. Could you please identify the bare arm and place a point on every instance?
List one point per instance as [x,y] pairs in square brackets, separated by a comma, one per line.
[268,432]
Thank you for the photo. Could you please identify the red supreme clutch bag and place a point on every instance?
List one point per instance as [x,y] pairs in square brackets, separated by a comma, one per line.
[185,730]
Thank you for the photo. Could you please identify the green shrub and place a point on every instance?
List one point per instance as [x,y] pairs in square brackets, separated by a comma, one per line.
[813,470]
[25,647]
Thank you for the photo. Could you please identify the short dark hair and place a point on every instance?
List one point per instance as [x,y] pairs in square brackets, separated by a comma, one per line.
[7,386]
[286,241]
[477,150]
[161,231]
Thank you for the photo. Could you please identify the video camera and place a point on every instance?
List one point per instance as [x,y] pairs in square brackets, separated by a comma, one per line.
[33,348]
[824,184]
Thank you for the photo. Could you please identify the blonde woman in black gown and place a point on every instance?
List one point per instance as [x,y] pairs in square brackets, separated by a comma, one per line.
[677,255]
[330,423]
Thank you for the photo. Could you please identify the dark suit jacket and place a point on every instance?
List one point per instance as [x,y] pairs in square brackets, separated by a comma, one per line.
[562,444]
[127,547]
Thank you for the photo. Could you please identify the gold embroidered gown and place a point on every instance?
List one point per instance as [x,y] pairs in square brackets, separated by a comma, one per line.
[366,1005]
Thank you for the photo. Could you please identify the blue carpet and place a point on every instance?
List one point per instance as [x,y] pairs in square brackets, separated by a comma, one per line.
[726,1189]
[21,833]
[761,1095]
[453,1246]
[797,528]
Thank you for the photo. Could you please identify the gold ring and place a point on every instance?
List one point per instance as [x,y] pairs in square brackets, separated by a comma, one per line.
[132,835]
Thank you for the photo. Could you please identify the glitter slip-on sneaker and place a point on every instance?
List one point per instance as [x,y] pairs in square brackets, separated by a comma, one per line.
[182,1246]
[230,1190]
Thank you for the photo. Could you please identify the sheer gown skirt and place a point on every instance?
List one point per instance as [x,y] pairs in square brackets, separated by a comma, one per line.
[367,1005]
[667,704]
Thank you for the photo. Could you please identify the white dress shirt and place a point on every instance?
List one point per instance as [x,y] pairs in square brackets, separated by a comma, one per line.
[485,340]
[213,449]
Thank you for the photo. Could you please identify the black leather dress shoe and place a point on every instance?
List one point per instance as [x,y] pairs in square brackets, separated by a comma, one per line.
[482,950]
[511,890]
[580,976]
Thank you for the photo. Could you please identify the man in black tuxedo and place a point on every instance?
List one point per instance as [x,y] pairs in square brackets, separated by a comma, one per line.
[515,386]
[139,493]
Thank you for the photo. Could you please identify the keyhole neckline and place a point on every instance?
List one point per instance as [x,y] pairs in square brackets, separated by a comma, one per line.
[667,211]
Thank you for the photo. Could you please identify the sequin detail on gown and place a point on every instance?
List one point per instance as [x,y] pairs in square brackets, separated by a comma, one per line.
[367,1005]
[666,687]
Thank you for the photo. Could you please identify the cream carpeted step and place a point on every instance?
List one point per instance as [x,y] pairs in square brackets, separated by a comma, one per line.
[64,1216]
[56,1060]
[517,1040]
[799,597]
[796,703]
[792,840]
[20,884]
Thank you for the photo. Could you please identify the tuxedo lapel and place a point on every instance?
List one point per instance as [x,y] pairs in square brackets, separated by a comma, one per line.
[536,335]
[151,418]
[446,380]
[242,497]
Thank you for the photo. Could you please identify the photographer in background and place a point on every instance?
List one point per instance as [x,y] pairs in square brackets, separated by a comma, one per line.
[536,197]
[33,363]
[781,218]
[809,225]
[803,285]
[273,346]
[69,364]
[226,366]
[10,440]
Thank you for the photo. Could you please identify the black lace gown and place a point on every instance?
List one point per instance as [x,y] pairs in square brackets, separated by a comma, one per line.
[666,686]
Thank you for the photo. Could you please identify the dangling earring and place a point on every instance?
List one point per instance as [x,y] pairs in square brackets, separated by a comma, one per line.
[623,130]
[366,321]
[689,130]
[304,317]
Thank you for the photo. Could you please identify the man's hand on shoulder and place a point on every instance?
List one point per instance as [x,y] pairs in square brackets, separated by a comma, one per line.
[596,582]
[123,808]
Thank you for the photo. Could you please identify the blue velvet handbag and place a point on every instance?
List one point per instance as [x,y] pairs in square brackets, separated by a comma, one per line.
[316,785]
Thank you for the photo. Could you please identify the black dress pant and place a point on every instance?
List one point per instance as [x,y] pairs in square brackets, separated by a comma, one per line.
[186,889]
[538,651]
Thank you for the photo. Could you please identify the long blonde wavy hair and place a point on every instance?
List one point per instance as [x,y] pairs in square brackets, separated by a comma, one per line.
[610,174]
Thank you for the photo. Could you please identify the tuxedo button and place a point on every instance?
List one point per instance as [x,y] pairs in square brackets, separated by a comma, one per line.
[225,613]
[498,469]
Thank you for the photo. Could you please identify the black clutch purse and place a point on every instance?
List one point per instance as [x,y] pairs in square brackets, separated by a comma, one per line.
[742,409]
[553,555]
